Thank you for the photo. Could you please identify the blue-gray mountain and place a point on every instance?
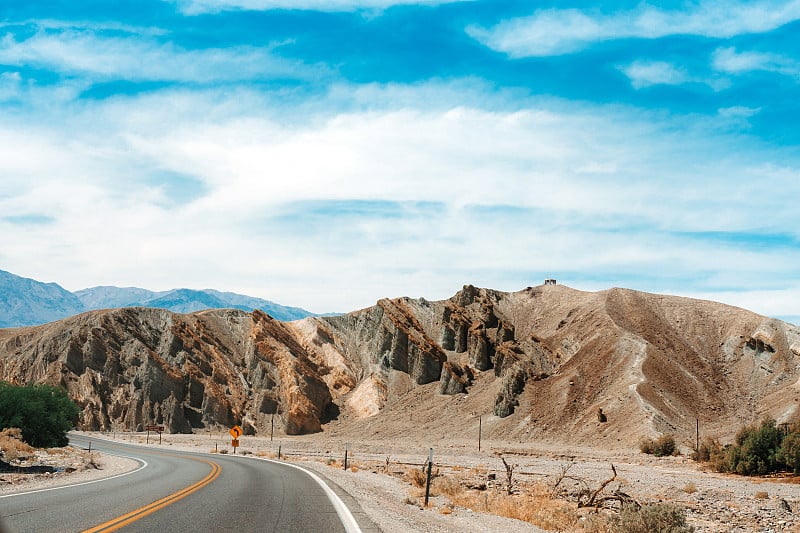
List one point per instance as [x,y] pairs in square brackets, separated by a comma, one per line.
[27,302]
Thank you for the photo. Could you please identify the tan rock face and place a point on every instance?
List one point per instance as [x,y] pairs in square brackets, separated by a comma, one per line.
[131,367]
[541,362]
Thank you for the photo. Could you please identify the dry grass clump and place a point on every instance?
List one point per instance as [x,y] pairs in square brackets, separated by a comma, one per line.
[661,447]
[446,486]
[12,445]
[649,518]
[761,495]
[90,460]
[690,488]
[416,477]
[533,504]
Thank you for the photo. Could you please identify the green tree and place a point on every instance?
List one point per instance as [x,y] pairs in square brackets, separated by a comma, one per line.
[755,450]
[789,453]
[43,413]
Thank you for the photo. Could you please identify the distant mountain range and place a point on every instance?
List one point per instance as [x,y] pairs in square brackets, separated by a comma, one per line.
[27,302]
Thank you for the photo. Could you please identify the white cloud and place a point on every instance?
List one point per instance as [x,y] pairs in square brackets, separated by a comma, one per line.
[646,73]
[515,192]
[730,61]
[561,31]
[195,7]
[139,58]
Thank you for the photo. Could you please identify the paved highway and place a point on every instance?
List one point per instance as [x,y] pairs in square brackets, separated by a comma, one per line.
[179,492]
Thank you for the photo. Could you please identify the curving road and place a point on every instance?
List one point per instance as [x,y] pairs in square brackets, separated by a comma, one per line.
[179,492]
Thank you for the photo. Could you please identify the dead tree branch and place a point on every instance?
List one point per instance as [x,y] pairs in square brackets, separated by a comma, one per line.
[591,501]
[509,474]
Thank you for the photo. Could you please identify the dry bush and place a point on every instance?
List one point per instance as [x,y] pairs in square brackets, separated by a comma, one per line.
[690,488]
[447,486]
[354,469]
[660,447]
[761,495]
[12,445]
[660,517]
[416,477]
[90,460]
[710,450]
[534,505]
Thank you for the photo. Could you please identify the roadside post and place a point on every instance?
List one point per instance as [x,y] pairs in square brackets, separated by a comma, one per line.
[428,482]
[235,432]
[346,446]
[480,427]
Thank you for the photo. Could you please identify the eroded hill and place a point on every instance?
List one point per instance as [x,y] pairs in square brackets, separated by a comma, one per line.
[541,363]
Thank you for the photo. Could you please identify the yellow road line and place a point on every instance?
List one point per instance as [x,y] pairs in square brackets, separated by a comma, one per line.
[122,521]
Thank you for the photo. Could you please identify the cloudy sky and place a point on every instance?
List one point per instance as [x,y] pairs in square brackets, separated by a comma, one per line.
[327,153]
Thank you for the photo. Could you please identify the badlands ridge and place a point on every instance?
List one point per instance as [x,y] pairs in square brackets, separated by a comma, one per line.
[547,363]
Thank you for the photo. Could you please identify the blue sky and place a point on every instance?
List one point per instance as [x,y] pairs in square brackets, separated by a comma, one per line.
[329,153]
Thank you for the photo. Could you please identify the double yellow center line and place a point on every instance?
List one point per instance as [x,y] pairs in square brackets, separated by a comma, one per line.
[133,516]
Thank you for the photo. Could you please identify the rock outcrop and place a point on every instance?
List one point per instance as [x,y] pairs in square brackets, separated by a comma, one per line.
[540,363]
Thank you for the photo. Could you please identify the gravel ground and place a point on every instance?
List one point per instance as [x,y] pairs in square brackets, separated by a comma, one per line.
[73,466]
[714,502]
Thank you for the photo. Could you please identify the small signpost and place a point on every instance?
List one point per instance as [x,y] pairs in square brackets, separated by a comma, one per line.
[235,432]
[153,427]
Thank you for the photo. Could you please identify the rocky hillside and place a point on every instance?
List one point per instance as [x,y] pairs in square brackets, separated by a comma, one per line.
[546,363]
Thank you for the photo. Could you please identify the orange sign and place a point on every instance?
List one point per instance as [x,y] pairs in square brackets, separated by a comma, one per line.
[235,443]
[236,432]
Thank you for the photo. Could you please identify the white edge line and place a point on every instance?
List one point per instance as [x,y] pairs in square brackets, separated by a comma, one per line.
[345,516]
[142,464]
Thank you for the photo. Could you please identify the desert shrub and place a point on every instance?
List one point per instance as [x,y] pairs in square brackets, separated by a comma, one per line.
[11,445]
[660,447]
[755,451]
[447,486]
[789,452]
[710,450]
[664,518]
[416,477]
[43,413]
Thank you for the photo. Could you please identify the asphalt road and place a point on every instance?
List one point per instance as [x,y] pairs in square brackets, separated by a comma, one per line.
[181,492]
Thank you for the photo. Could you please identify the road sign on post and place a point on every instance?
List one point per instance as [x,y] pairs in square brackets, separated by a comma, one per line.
[235,432]
[153,427]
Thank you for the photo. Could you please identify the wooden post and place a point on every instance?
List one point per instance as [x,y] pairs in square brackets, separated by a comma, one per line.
[279,451]
[271,427]
[428,482]
[147,439]
[697,436]
[346,446]
[480,428]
